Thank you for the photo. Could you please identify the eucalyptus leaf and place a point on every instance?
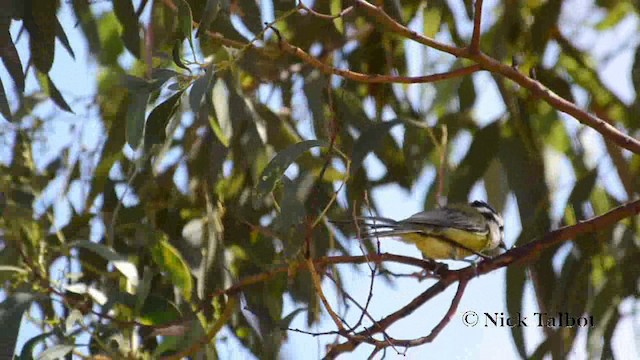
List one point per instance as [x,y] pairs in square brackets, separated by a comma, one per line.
[170,261]
[369,141]
[119,261]
[279,164]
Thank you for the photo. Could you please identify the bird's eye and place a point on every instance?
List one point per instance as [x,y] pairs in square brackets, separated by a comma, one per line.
[501,227]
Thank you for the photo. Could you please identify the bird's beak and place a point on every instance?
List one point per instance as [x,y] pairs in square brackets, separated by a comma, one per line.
[503,246]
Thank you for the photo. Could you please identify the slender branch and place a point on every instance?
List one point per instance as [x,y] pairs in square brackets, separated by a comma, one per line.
[342,13]
[521,254]
[400,29]
[488,63]
[474,48]
[373,78]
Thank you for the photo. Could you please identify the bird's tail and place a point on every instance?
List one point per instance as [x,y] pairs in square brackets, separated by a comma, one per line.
[371,227]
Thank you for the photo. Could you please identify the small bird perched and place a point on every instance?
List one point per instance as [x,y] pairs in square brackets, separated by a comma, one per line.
[451,232]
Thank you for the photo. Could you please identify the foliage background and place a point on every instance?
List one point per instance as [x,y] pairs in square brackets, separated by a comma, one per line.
[192,204]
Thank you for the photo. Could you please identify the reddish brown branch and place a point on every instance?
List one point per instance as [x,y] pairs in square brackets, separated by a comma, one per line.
[474,47]
[522,254]
[400,29]
[608,131]
[374,78]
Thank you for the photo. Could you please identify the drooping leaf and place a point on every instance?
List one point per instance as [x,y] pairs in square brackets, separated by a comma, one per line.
[11,310]
[369,140]
[30,345]
[175,54]
[55,352]
[40,20]
[432,17]
[62,36]
[131,32]
[119,261]
[4,104]
[208,16]
[483,149]
[277,166]
[466,93]
[158,310]
[514,289]
[142,292]
[170,261]
[56,96]
[200,87]
[185,19]
[10,58]
[135,117]
[154,132]
[88,24]
[221,124]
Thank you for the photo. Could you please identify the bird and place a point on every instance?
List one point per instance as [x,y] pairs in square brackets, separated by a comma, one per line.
[452,232]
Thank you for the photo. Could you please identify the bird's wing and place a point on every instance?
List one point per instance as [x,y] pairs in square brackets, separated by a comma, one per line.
[448,217]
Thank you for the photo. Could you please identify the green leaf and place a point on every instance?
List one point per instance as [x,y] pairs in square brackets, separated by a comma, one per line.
[62,36]
[74,317]
[56,352]
[10,58]
[208,16]
[11,310]
[155,127]
[432,18]
[221,124]
[515,288]
[88,24]
[12,268]
[40,20]
[131,33]
[30,345]
[170,261]
[483,149]
[119,261]
[200,87]
[185,20]
[4,104]
[143,288]
[292,210]
[370,140]
[175,55]
[56,96]
[466,93]
[286,321]
[279,164]
[157,311]
[135,117]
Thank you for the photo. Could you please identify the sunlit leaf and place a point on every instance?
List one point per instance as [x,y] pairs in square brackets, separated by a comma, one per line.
[432,17]
[55,352]
[119,261]
[171,262]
